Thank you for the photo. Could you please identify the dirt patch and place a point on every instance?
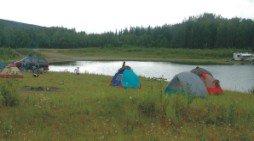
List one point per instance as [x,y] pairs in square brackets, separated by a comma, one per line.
[41,88]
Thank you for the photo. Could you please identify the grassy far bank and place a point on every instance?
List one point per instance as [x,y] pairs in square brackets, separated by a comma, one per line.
[64,106]
[10,55]
[193,56]
[187,56]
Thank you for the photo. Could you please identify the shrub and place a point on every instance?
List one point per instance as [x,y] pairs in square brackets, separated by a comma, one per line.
[9,92]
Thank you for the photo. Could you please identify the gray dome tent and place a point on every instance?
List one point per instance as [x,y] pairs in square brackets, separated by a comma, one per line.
[28,62]
[186,83]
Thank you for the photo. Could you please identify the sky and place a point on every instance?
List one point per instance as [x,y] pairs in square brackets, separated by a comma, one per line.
[98,16]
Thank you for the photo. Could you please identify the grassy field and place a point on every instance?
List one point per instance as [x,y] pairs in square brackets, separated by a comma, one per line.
[191,56]
[65,106]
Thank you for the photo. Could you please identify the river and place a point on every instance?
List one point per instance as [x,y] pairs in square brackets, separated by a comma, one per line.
[232,77]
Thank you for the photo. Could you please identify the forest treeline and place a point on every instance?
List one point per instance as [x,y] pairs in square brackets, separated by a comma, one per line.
[203,31]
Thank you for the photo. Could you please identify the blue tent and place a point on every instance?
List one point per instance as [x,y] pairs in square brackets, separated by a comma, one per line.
[187,83]
[126,78]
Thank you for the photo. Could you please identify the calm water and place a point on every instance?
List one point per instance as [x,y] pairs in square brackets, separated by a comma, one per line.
[232,77]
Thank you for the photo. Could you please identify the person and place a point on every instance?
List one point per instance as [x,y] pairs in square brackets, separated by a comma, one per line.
[123,67]
[217,83]
[35,71]
[117,78]
[123,64]
[77,70]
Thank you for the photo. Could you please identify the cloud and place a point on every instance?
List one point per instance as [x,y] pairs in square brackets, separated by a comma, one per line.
[104,15]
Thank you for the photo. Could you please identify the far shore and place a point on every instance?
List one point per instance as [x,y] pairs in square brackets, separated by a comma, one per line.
[181,56]
[179,61]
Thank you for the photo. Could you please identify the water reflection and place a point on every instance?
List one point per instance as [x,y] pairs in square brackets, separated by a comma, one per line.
[232,77]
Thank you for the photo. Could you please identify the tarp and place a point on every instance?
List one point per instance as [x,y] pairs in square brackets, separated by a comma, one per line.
[212,84]
[116,80]
[198,71]
[186,83]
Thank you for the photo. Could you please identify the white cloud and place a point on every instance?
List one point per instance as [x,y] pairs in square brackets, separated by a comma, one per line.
[105,15]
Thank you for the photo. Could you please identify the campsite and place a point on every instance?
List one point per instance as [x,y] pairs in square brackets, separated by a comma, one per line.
[131,70]
[66,106]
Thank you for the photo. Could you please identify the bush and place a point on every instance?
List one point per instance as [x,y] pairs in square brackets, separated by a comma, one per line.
[9,92]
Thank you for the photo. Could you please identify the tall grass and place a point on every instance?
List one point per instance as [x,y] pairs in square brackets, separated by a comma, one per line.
[9,93]
[85,107]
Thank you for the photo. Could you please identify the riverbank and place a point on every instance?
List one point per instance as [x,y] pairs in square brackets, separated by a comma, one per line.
[184,56]
[65,106]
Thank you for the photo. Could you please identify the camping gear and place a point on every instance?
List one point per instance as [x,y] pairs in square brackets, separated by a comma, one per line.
[126,78]
[198,71]
[11,71]
[30,61]
[212,84]
[186,83]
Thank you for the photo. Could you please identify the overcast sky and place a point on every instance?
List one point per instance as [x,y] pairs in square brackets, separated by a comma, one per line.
[98,16]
